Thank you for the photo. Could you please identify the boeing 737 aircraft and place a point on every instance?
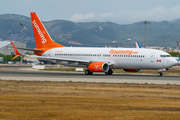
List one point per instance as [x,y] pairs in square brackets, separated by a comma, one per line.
[97,59]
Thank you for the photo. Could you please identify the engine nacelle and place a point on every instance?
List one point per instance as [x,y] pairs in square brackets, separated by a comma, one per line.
[132,70]
[98,67]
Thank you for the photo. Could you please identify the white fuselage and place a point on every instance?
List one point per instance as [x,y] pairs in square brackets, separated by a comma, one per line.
[117,58]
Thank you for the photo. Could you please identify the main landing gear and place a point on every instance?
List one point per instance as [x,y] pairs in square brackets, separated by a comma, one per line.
[109,72]
[87,72]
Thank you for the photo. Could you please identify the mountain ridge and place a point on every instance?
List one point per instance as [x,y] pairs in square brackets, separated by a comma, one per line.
[92,34]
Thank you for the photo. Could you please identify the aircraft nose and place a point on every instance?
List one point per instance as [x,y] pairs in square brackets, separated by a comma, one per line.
[173,62]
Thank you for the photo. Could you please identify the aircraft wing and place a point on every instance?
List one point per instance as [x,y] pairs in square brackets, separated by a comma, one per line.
[60,59]
[56,59]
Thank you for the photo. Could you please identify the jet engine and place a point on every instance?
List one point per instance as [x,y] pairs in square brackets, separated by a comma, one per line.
[132,70]
[98,67]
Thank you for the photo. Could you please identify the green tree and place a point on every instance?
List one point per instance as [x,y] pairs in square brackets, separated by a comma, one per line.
[174,54]
[9,57]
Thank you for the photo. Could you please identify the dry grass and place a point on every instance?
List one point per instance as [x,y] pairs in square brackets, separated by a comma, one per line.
[81,100]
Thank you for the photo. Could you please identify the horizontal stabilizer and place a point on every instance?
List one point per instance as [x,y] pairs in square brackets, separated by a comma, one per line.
[15,57]
[30,49]
[16,51]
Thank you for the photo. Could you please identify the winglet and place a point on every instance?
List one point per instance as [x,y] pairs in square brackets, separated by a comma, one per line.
[16,51]
[138,45]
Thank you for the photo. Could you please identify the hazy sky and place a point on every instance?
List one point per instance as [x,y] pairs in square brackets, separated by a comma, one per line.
[118,11]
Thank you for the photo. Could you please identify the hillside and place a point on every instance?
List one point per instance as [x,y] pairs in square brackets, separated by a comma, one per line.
[94,34]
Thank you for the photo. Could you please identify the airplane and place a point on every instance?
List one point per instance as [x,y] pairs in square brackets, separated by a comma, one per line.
[97,59]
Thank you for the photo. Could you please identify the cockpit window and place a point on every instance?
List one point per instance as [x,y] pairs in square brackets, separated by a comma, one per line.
[165,56]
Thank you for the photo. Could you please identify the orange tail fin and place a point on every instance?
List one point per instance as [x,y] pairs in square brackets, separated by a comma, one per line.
[16,51]
[42,38]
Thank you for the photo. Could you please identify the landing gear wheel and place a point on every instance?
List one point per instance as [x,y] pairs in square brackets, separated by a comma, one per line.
[87,72]
[109,72]
[160,73]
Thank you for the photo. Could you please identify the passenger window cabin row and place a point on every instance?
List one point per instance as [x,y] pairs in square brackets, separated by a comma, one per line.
[99,55]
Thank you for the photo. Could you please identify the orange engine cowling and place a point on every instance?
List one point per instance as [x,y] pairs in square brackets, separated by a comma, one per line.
[132,70]
[98,67]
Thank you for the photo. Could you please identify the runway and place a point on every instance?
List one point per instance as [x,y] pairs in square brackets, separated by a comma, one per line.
[26,73]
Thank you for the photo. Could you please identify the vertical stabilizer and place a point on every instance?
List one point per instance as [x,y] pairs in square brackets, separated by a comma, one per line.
[42,38]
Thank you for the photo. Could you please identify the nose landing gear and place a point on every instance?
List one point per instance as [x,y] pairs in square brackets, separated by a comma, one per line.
[160,73]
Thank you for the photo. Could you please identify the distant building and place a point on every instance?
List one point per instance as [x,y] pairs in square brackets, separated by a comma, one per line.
[6,47]
[177,50]
[1,59]
[157,48]
[169,49]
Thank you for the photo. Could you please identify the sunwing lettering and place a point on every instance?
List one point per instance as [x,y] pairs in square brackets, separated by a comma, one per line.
[124,52]
[39,31]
